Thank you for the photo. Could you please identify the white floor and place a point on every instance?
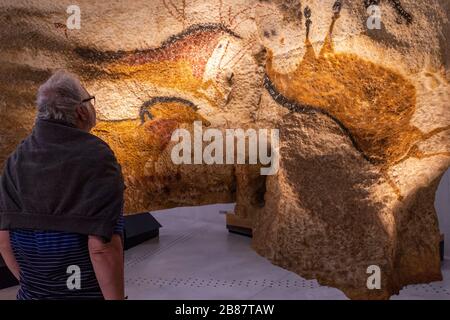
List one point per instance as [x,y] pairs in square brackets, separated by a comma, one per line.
[196,258]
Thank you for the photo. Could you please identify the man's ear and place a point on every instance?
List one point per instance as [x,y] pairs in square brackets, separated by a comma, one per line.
[82,113]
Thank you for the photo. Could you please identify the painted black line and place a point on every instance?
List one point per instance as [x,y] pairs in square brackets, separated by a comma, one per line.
[107,56]
[308,109]
[145,108]
[201,27]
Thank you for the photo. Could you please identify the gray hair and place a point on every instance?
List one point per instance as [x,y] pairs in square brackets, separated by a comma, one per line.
[58,96]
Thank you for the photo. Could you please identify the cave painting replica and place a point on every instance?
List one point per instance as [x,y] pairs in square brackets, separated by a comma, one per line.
[363,117]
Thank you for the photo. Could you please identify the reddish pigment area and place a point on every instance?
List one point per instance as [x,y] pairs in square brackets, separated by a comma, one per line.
[194,48]
[159,131]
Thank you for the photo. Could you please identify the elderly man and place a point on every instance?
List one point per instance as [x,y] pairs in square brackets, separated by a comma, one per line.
[61,202]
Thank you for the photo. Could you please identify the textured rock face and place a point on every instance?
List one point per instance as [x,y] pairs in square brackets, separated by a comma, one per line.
[335,217]
[363,117]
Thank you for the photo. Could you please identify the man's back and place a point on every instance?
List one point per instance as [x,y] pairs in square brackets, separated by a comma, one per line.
[66,184]
[44,258]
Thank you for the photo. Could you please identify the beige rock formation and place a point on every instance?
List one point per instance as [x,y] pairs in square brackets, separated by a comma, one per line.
[363,117]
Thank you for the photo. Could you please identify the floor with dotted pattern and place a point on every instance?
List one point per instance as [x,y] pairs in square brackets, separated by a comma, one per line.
[196,258]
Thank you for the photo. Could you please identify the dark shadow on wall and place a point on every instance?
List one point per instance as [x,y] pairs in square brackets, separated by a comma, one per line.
[417,258]
[442,205]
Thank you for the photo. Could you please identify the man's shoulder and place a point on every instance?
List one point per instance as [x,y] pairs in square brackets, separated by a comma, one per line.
[98,149]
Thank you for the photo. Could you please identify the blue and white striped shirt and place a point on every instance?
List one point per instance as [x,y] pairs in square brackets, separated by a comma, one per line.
[44,258]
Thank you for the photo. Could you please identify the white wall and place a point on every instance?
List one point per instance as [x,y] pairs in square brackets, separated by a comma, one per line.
[442,205]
